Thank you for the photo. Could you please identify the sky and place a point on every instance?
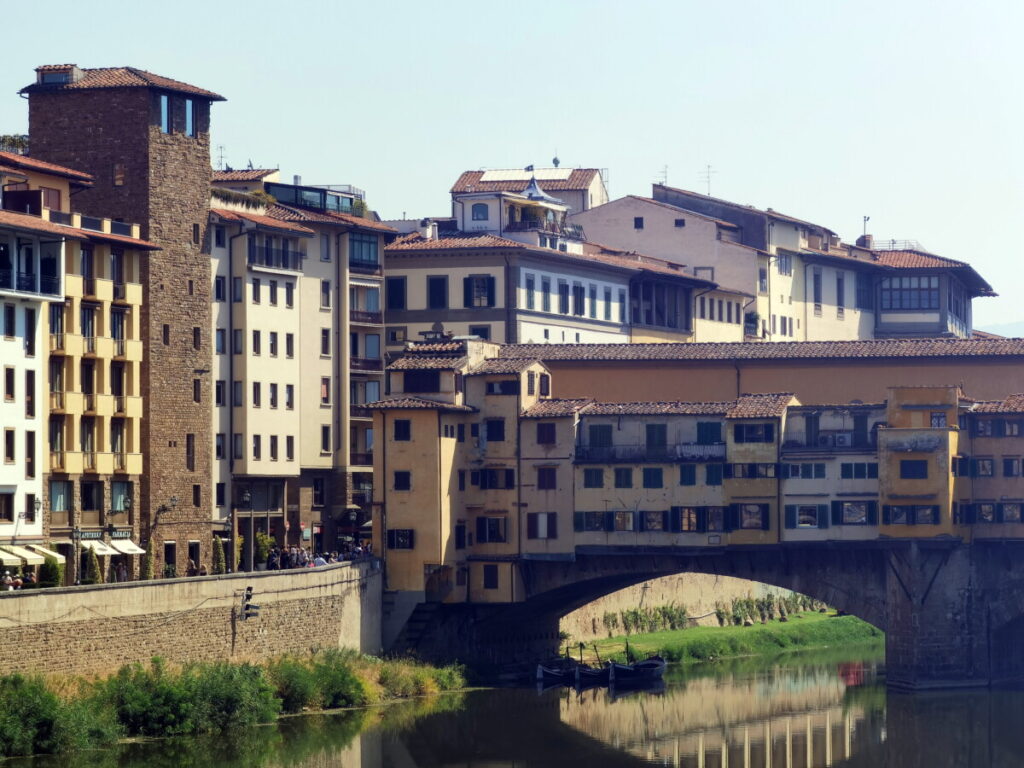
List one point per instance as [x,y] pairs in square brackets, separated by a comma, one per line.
[909,112]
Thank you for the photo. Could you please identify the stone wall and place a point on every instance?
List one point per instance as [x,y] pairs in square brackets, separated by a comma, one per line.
[697,592]
[94,630]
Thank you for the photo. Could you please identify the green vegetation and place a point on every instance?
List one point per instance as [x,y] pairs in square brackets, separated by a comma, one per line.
[157,700]
[51,573]
[148,562]
[93,572]
[219,561]
[803,630]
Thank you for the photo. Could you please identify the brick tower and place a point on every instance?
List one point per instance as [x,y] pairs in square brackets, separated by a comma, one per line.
[146,140]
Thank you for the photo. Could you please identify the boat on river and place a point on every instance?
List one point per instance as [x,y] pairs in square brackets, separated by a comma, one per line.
[587,676]
[559,671]
[638,673]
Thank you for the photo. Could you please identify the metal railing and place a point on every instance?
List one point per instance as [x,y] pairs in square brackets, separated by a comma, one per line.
[120,291]
[645,453]
[56,460]
[57,401]
[56,341]
[90,344]
[359,411]
[59,217]
[119,346]
[121,228]
[92,222]
[363,316]
[276,258]
[89,401]
[89,286]
[361,459]
[119,402]
[364,267]
[89,460]
[366,364]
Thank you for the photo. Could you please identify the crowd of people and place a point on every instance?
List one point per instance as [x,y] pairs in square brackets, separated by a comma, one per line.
[285,558]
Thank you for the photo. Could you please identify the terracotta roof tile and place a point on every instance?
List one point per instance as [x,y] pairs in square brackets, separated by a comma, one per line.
[24,162]
[309,215]
[262,221]
[120,77]
[579,179]
[496,365]
[767,211]
[979,334]
[791,350]
[658,408]
[460,241]
[915,260]
[36,224]
[107,237]
[425,347]
[554,409]
[417,404]
[677,209]
[248,174]
[764,406]
[421,363]
[1012,404]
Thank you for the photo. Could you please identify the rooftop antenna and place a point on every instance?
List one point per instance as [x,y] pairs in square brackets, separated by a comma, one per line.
[664,176]
[866,220]
[220,157]
[706,174]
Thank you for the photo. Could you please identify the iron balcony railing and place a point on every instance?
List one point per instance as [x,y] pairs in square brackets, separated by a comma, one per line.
[89,401]
[59,217]
[646,453]
[120,228]
[93,223]
[364,267]
[366,364]
[56,461]
[90,344]
[359,412]
[365,317]
[119,346]
[89,460]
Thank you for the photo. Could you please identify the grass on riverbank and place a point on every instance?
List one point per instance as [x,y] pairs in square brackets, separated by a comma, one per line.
[802,630]
[59,715]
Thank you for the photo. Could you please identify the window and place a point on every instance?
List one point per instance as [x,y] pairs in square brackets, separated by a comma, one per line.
[362,250]
[273,344]
[256,392]
[542,525]
[913,469]
[273,395]
[545,294]
[190,452]
[623,520]
[325,342]
[638,222]
[197,391]
[865,298]
[854,513]
[754,433]
[494,430]
[236,445]
[545,433]
[219,288]
[762,281]
[910,514]
[9,384]
[325,247]
[563,297]
[478,291]
[909,292]
[687,474]
[479,212]
[236,394]
[750,470]
[623,477]
[9,442]
[10,321]
[1011,467]
[190,123]
[530,287]
[289,294]
[545,385]
[289,396]
[498,479]
[165,113]
[679,223]
[840,292]
[1011,512]
[403,430]
[437,292]
[218,392]
[289,345]
[713,474]
[394,292]
[318,492]
[256,447]
[709,432]
[289,448]
[593,478]
[166,334]
[753,516]
[984,468]
[325,294]
[784,263]
[325,390]
[490,530]
[325,437]
[256,342]
[401,538]
[653,477]
[273,447]
[219,445]
[218,341]
[197,338]
[858,470]
[579,300]
[816,290]
[490,576]
[590,521]
[547,478]
[607,303]
[421,381]
[236,341]
[236,289]
[482,331]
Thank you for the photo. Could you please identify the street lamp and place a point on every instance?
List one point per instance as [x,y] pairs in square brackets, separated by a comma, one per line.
[250,544]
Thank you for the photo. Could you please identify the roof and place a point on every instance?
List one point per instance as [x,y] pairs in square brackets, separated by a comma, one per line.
[767,211]
[658,408]
[118,77]
[26,163]
[424,347]
[316,216]
[417,404]
[677,209]
[249,174]
[555,408]
[109,237]
[578,179]
[31,223]
[1012,404]
[783,350]
[497,365]
[764,406]
[915,259]
[414,241]
[261,221]
[422,363]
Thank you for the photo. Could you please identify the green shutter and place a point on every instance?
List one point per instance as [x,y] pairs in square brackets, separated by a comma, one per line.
[823,515]
[727,471]
[791,515]
[886,514]
[467,292]
[846,471]
[577,521]
[837,513]
[640,524]
[609,520]
[999,513]
[766,517]
[687,474]
[769,433]
[510,478]
[872,513]
[481,530]
[702,519]
[737,433]
[490,292]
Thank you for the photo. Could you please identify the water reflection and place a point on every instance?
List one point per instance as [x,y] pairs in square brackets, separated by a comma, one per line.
[805,711]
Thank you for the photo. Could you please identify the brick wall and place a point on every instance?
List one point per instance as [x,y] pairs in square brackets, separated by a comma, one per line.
[165,190]
[94,630]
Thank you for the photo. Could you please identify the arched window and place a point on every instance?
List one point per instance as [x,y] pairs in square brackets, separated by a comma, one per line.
[480,212]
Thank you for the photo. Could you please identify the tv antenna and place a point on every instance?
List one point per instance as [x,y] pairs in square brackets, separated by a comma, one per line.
[866,220]
[220,157]
[706,175]
[664,175]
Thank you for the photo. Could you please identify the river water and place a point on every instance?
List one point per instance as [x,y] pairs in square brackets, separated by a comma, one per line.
[796,711]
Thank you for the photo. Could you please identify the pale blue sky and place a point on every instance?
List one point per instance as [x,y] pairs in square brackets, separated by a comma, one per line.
[909,112]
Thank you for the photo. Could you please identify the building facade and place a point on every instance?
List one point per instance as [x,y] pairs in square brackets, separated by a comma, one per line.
[145,140]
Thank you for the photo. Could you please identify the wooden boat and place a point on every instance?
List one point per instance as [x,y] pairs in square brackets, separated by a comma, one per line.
[587,676]
[652,668]
[557,671]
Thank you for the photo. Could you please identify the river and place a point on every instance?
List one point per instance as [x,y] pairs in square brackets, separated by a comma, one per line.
[826,708]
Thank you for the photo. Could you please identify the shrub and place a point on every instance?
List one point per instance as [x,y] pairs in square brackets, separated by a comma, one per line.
[28,717]
[295,684]
[150,701]
[230,695]
[148,567]
[263,545]
[339,685]
[51,572]
[93,572]
[219,562]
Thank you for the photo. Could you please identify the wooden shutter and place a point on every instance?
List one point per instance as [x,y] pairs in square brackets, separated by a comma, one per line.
[846,471]
[737,433]
[552,525]
[609,520]
[726,470]
[837,513]
[702,519]
[791,515]
[999,513]
[766,518]
[640,523]
[531,525]
[886,514]
[872,513]
[823,515]
[769,433]
[490,291]
[391,539]
[673,525]
[481,530]
[970,513]
[467,292]
[732,517]
[510,478]
[577,521]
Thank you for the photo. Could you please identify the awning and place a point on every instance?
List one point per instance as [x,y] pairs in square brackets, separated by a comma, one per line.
[61,543]
[47,552]
[10,560]
[27,555]
[367,524]
[127,547]
[98,547]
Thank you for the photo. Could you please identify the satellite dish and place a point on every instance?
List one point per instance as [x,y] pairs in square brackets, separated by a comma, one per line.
[555,161]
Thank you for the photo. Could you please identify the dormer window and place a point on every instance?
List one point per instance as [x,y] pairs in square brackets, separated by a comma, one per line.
[480,212]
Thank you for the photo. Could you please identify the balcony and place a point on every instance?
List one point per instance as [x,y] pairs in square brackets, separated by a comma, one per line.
[89,461]
[361,459]
[88,402]
[89,287]
[365,267]
[89,345]
[56,401]
[120,291]
[57,342]
[59,217]
[121,228]
[363,317]
[90,517]
[28,282]
[119,405]
[830,442]
[58,461]
[275,258]
[644,453]
[366,364]
[120,462]
[119,346]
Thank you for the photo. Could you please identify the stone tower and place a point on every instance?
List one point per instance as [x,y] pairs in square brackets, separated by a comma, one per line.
[146,140]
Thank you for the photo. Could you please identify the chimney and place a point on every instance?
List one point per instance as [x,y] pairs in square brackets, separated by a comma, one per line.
[427,229]
[866,241]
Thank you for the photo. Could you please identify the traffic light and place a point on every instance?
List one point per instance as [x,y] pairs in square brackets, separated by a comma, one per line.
[249,609]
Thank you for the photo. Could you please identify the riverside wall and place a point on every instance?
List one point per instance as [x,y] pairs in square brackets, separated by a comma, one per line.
[697,592]
[95,629]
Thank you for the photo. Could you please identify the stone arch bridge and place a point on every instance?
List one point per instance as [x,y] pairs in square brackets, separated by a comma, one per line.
[952,612]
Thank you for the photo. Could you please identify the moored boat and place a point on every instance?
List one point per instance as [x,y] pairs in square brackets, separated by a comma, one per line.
[587,676]
[556,671]
[652,668]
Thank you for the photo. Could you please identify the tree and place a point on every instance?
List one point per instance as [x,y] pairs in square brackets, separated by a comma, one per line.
[219,565]
[51,573]
[93,572]
[148,566]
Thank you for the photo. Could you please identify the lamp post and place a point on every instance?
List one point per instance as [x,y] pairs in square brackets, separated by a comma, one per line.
[37,505]
[250,542]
